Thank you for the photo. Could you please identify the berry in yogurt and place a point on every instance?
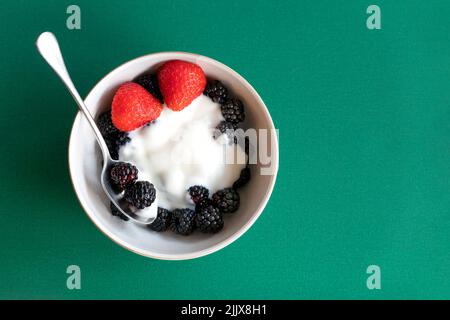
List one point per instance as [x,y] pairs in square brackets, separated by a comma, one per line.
[176,128]
[179,151]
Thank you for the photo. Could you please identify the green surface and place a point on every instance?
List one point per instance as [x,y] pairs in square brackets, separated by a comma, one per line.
[364,120]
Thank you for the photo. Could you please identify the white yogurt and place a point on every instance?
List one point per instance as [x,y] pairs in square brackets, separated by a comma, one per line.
[179,151]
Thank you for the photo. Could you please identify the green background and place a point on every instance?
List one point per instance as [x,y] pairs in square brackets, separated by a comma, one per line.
[364,121]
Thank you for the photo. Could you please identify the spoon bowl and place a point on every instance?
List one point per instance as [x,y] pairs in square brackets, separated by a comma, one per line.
[145,216]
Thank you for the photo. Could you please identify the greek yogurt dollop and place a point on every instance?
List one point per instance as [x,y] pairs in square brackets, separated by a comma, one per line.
[178,151]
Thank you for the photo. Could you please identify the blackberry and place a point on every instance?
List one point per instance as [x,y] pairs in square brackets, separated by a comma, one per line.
[225,127]
[115,141]
[105,125]
[233,111]
[216,91]
[114,138]
[198,193]
[141,194]
[116,212]
[244,177]
[150,83]
[120,138]
[202,203]
[183,221]
[123,174]
[113,149]
[226,200]
[162,221]
[209,220]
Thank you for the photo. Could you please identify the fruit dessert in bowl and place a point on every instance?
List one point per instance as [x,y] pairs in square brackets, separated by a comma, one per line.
[177,123]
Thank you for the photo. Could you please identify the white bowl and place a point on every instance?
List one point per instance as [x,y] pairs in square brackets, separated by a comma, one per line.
[85,159]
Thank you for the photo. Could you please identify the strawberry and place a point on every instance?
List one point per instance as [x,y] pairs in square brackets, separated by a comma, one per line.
[133,106]
[180,82]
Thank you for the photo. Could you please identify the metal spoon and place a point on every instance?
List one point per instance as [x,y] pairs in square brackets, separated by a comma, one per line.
[48,47]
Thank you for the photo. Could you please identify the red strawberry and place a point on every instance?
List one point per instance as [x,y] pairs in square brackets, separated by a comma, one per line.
[133,106]
[180,82]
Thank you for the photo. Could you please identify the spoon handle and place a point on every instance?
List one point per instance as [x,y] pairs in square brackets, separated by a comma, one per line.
[48,47]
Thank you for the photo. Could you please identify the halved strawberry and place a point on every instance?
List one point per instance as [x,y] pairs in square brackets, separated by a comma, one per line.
[133,106]
[180,82]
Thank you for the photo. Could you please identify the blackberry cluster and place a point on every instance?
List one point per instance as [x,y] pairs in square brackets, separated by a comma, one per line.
[114,143]
[105,125]
[141,194]
[162,221]
[226,200]
[113,149]
[116,212]
[243,179]
[233,110]
[114,138]
[123,174]
[216,91]
[198,193]
[209,219]
[225,127]
[183,221]
[150,83]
